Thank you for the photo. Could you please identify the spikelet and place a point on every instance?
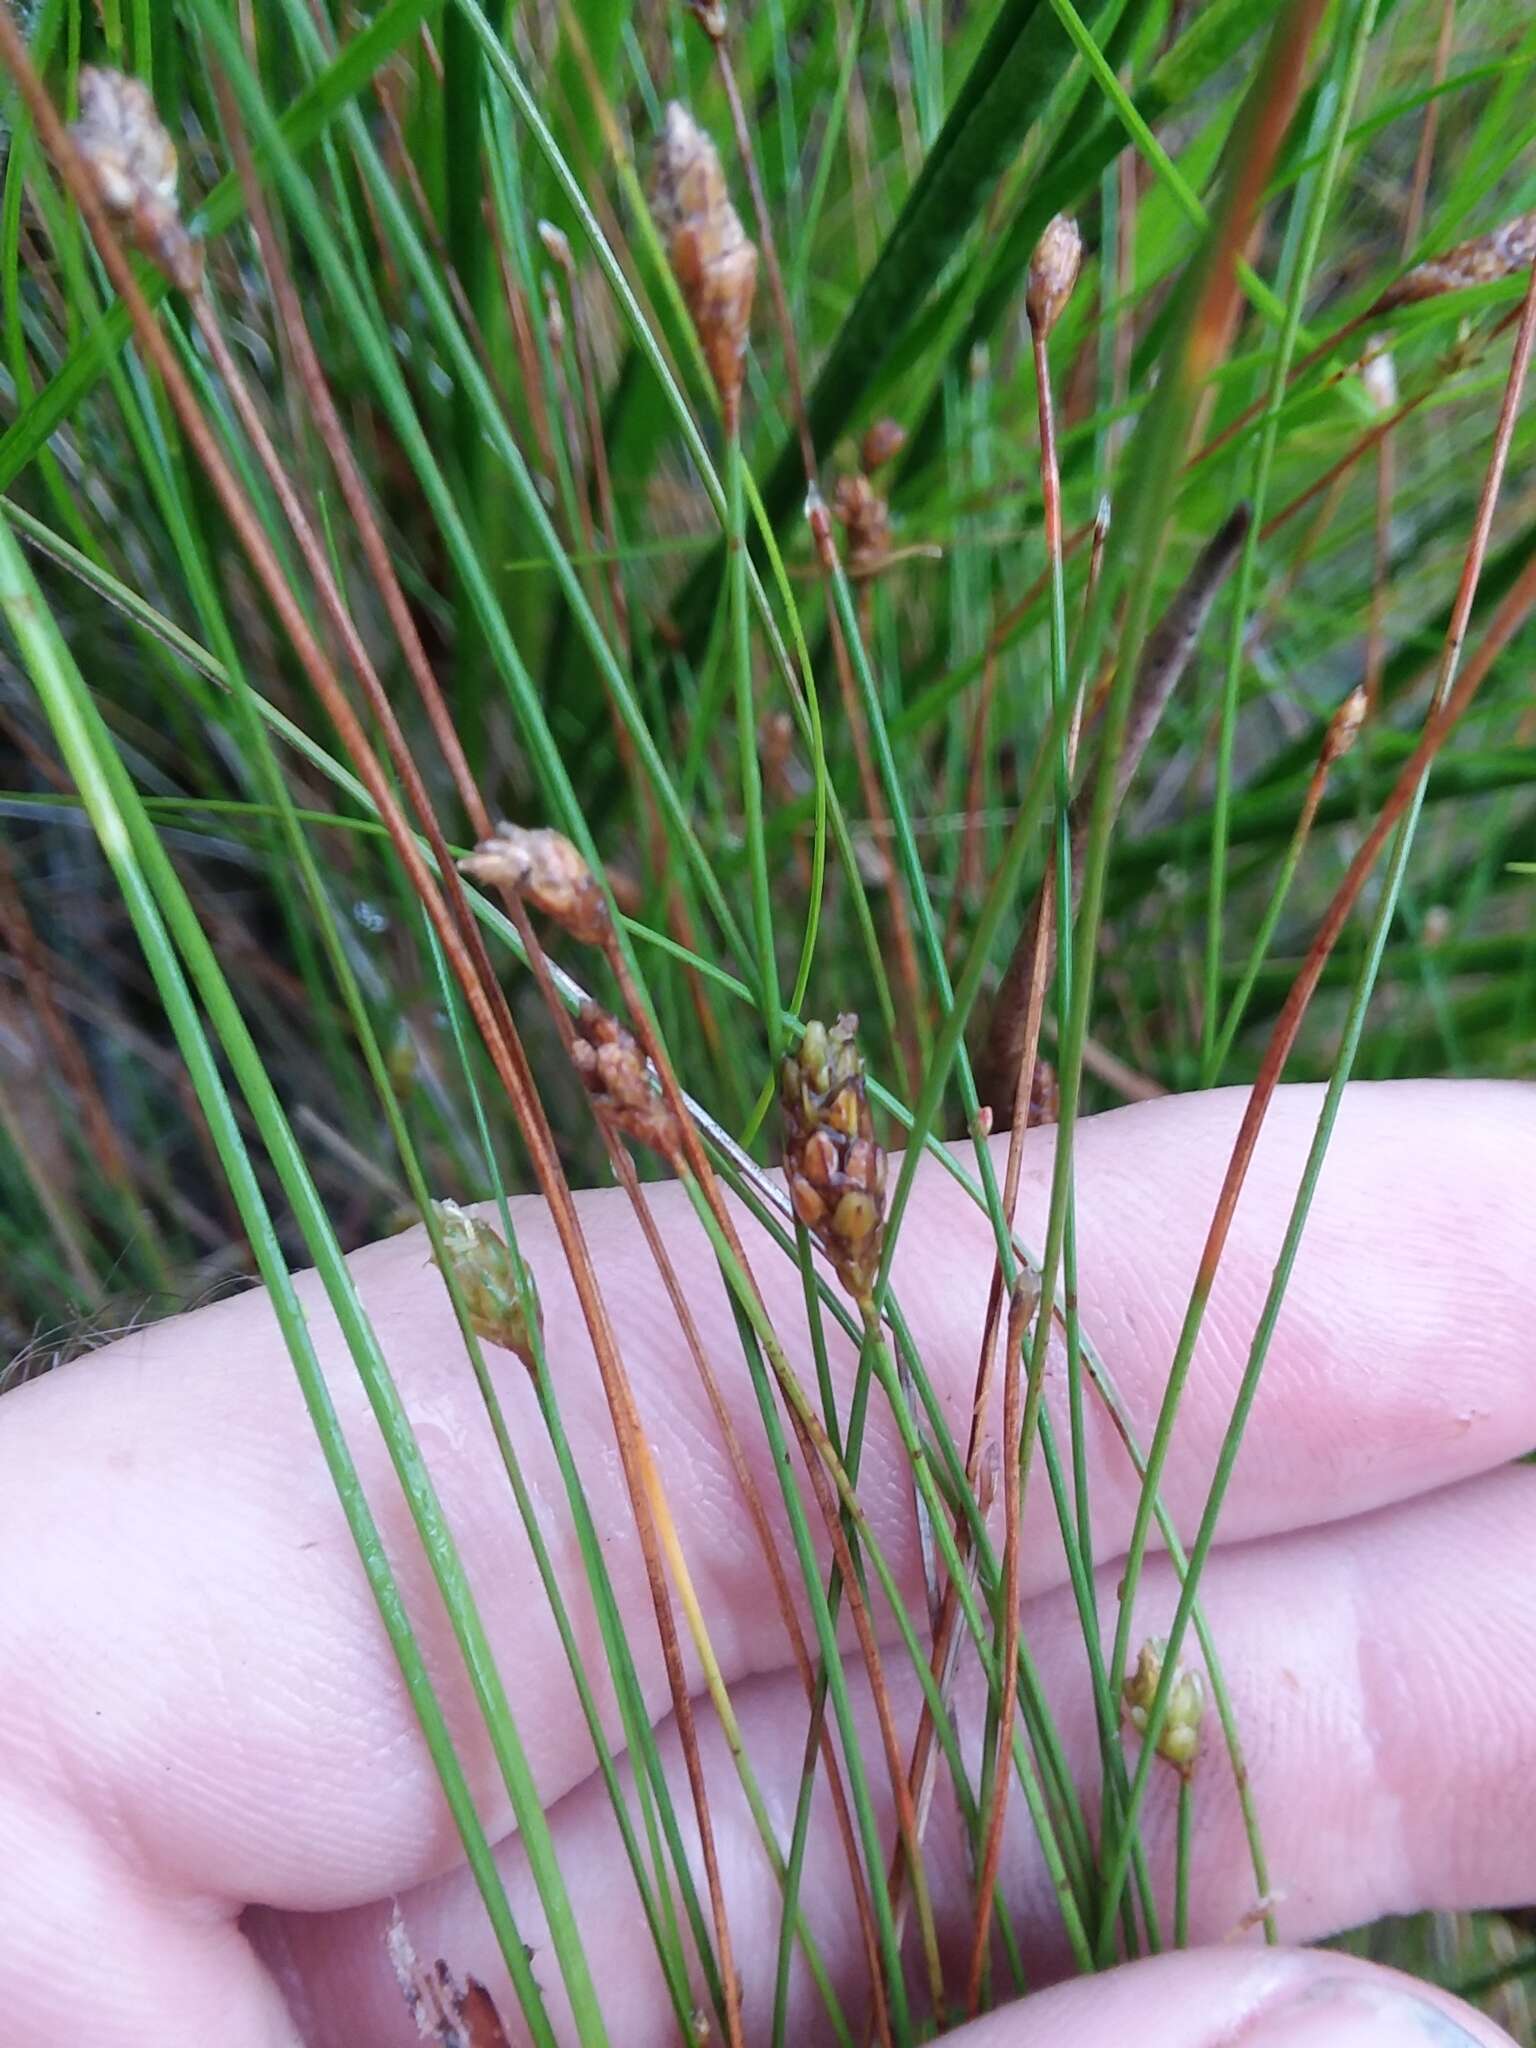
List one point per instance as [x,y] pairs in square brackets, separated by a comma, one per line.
[615,1074]
[545,867]
[1344,726]
[1053,273]
[714,263]
[835,1170]
[485,1273]
[1507,250]
[1178,1743]
[132,162]
[866,520]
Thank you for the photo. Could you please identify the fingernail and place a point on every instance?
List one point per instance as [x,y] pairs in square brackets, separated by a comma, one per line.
[1344,2012]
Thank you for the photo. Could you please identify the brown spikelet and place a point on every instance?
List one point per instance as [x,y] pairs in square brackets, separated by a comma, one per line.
[835,1169]
[132,161]
[1344,726]
[714,263]
[544,866]
[1509,249]
[614,1071]
[882,443]
[865,518]
[1053,272]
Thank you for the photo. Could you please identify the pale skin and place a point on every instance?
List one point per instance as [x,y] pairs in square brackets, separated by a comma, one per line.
[211,1783]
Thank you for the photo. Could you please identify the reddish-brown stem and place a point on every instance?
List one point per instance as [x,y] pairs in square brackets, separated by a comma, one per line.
[823,1466]
[455,928]
[629,1180]
[354,490]
[520,319]
[923,1758]
[1019,1312]
[816,1450]
[647,1500]
[1418,192]
[1028,1051]
[1450,701]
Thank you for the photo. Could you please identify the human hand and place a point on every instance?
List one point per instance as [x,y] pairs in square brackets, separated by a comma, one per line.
[200,1709]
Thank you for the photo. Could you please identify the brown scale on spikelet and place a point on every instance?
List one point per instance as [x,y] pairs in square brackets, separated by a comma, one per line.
[1053,272]
[714,263]
[1044,1095]
[618,1080]
[545,867]
[132,162]
[866,520]
[1507,250]
[835,1170]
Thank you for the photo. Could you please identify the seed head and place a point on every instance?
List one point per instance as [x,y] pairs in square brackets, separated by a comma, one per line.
[132,162]
[1507,250]
[882,443]
[835,1169]
[1179,1741]
[1053,273]
[615,1074]
[546,868]
[714,263]
[486,1274]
